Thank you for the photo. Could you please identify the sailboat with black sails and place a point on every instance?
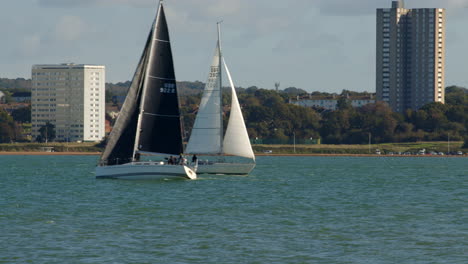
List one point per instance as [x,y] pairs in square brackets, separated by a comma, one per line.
[149,122]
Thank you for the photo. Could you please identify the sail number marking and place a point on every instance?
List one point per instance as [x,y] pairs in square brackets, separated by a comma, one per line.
[169,88]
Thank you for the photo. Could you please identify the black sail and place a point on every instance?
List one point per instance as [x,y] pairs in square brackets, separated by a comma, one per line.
[160,123]
[121,141]
[150,113]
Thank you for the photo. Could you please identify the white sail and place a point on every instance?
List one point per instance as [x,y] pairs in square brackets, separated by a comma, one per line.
[236,140]
[206,136]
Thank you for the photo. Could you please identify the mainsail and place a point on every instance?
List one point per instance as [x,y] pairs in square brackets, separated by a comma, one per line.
[159,126]
[151,106]
[207,132]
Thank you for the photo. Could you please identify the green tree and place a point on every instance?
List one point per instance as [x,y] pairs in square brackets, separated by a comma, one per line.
[109,97]
[465,145]
[334,124]
[379,120]
[455,95]
[46,133]
[6,133]
[7,127]
[344,103]
[22,115]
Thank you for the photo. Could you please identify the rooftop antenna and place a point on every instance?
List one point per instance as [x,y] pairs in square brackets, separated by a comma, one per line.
[277,85]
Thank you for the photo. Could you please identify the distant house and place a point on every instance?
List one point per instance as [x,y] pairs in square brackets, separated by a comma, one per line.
[14,106]
[21,97]
[331,103]
[2,97]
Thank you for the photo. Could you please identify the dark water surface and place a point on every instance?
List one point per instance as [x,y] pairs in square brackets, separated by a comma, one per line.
[290,210]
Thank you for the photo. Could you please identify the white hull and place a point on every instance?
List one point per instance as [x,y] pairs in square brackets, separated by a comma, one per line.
[144,171]
[226,168]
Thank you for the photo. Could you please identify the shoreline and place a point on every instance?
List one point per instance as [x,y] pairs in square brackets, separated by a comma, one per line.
[38,153]
[363,155]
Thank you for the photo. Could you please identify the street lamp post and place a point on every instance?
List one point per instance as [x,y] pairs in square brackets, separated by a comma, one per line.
[448,144]
[294,141]
[369,142]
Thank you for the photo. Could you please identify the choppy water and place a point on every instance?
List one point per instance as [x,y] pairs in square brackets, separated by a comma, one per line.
[290,210]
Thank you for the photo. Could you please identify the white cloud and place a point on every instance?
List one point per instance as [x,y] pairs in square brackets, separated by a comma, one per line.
[65,3]
[368,7]
[350,8]
[292,40]
[438,3]
[81,3]
[70,28]
[30,45]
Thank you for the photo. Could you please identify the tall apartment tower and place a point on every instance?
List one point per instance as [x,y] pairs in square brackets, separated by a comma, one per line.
[410,56]
[71,97]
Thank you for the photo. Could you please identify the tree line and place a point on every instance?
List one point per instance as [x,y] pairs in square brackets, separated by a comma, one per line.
[270,118]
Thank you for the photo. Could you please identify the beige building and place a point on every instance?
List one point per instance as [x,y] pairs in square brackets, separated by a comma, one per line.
[410,63]
[71,97]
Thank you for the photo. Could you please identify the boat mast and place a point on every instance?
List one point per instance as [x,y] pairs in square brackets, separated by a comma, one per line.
[221,138]
[143,93]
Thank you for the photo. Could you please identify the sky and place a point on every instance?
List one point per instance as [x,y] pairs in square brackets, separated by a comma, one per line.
[316,45]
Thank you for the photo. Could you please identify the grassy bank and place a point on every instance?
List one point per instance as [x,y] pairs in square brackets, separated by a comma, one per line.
[360,149]
[275,149]
[57,147]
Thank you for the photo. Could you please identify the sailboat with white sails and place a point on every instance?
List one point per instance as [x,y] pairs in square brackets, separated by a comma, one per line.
[207,133]
[149,122]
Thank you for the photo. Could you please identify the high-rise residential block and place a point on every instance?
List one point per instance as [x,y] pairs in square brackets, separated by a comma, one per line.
[410,65]
[71,97]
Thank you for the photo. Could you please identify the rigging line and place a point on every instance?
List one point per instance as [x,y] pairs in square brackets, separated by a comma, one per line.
[153,153]
[160,78]
[161,40]
[174,116]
